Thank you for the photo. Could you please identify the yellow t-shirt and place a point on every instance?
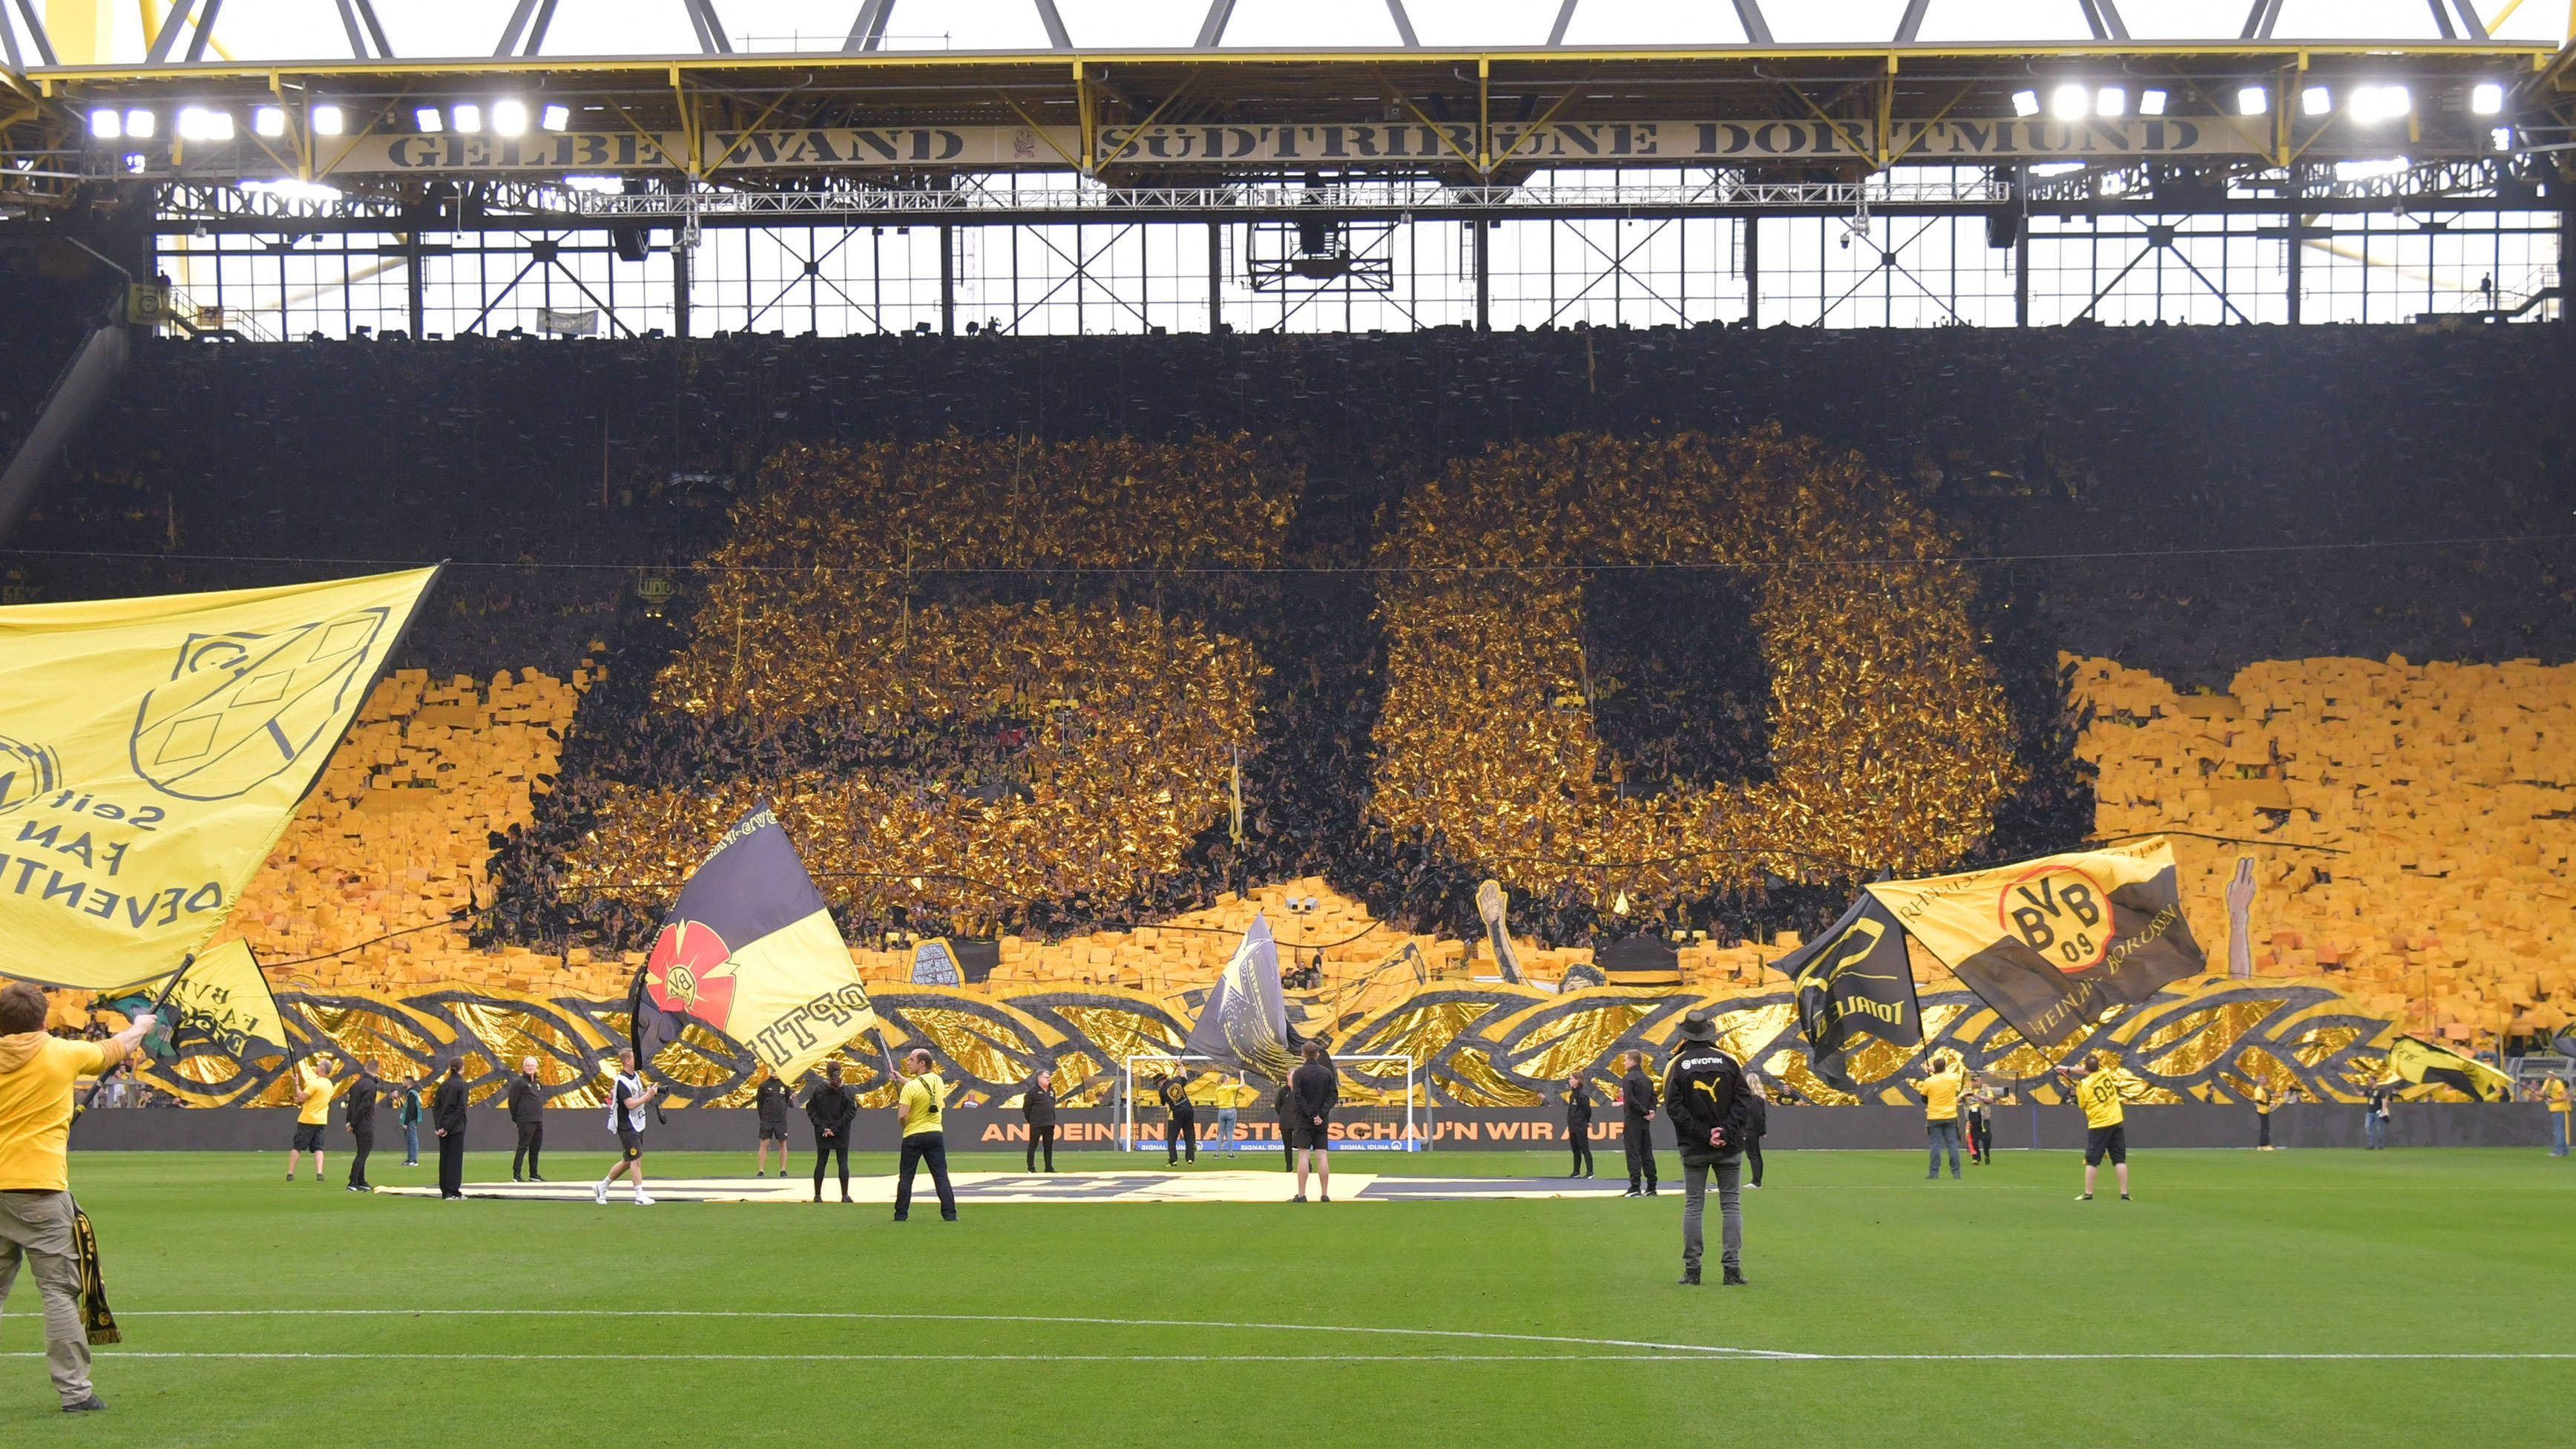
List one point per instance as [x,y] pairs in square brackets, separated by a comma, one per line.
[2101,1095]
[313,1092]
[36,1107]
[2555,1094]
[921,1099]
[2262,1099]
[1940,1095]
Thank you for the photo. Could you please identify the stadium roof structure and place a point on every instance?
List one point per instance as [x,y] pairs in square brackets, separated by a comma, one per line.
[1171,126]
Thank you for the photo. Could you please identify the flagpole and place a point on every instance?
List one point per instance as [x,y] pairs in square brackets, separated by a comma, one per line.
[154,1012]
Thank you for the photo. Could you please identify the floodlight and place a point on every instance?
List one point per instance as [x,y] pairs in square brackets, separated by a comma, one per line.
[2381,103]
[2110,101]
[2151,103]
[2486,98]
[2070,103]
[269,120]
[510,118]
[106,125]
[139,124]
[554,118]
[328,121]
[468,117]
[429,120]
[2501,138]
[2025,103]
[203,123]
[2253,101]
[2316,101]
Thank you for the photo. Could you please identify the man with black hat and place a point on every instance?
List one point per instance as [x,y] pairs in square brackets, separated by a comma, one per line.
[1705,1095]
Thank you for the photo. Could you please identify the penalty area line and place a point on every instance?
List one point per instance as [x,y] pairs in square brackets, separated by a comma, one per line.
[297,1355]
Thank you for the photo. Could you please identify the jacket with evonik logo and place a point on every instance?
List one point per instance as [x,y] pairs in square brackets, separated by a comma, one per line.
[1704,1090]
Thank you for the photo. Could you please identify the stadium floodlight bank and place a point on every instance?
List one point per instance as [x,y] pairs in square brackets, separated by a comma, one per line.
[1386,1105]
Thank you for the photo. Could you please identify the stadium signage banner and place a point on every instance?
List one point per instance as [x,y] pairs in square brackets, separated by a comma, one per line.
[1393,144]
[152,751]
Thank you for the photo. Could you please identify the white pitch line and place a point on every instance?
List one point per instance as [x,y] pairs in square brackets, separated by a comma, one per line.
[1463,1358]
[1640,1350]
[1711,1349]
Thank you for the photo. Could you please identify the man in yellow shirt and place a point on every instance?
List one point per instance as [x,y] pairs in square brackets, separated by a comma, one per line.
[37,1073]
[2103,1095]
[924,1137]
[1941,1110]
[314,1090]
[2553,1090]
[2262,1115]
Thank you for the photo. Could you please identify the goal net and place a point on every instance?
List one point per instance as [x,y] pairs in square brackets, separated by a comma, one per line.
[1385,1106]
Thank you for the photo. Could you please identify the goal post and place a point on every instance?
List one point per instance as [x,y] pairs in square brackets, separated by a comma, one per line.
[1385,1106]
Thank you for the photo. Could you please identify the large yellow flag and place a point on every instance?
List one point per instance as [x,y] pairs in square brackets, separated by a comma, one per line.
[151,751]
[2053,944]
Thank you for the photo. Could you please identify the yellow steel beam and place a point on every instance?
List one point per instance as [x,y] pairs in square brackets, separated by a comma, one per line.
[82,30]
[1872,58]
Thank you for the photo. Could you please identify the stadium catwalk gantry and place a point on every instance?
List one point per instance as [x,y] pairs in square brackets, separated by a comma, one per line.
[1060,187]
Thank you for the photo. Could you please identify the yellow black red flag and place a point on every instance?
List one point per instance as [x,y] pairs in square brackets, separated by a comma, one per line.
[151,752]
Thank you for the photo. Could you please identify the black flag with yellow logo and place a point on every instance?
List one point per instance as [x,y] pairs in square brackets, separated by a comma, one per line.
[1853,982]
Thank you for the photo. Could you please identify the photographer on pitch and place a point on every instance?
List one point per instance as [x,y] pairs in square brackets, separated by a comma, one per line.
[1711,1109]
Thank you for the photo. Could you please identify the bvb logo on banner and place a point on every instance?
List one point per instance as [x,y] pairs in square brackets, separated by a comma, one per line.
[2060,912]
[919,617]
[1890,737]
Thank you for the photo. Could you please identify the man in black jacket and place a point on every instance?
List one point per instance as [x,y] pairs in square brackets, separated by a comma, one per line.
[770,1101]
[447,1116]
[1314,1089]
[1578,1123]
[1037,1105]
[1704,1092]
[1637,1122]
[360,1105]
[1284,1106]
[1757,1126]
[1183,1133]
[527,1113]
[831,1108]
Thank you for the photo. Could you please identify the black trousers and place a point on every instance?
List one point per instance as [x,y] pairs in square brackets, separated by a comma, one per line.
[1640,1140]
[361,1142]
[1580,1134]
[1286,1151]
[1182,1136]
[930,1148]
[532,1140]
[1042,1139]
[1981,1136]
[1753,1159]
[2262,1129]
[451,1163]
[825,1149]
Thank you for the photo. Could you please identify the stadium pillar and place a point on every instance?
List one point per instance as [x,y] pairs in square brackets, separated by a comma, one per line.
[947,279]
[2298,243]
[2021,274]
[1216,277]
[414,292]
[2567,266]
[1484,275]
[679,290]
[1753,271]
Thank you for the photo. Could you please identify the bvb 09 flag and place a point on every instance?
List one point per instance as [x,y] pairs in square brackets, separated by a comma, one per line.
[1854,982]
[151,751]
[222,1001]
[2052,944]
[750,950]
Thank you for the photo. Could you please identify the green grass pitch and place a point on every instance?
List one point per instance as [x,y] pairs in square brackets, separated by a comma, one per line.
[2242,1299]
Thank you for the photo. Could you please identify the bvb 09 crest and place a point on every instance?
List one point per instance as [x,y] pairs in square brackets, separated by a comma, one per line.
[240,708]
